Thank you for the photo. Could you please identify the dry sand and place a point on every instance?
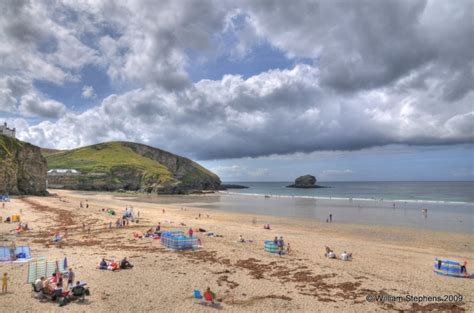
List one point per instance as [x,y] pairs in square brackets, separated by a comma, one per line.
[387,260]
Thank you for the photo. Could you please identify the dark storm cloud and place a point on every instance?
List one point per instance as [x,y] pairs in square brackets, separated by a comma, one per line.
[376,73]
[370,44]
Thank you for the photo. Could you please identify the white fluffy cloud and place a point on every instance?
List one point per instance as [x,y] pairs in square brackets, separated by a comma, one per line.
[32,105]
[88,92]
[277,112]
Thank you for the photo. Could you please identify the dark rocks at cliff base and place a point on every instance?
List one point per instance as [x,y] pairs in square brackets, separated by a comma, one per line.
[231,186]
[306,181]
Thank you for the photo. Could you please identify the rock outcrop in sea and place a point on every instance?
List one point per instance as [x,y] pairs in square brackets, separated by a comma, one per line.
[306,181]
[22,168]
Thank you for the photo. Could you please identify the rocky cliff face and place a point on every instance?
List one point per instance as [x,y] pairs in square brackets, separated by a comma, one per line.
[188,174]
[22,168]
[130,166]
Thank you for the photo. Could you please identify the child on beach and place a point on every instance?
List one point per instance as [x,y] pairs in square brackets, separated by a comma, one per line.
[209,296]
[5,280]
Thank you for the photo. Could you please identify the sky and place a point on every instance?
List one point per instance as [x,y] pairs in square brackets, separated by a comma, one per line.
[253,90]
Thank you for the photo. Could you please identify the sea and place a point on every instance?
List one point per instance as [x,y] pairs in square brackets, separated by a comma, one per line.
[438,206]
[436,192]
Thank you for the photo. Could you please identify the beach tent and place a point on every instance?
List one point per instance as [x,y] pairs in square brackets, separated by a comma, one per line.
[22,253]
[41,267]
[449,268]
[177,240]
[270,246]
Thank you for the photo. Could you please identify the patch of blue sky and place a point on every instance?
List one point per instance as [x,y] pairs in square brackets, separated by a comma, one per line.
[262,57]
[257,56]
[70,93]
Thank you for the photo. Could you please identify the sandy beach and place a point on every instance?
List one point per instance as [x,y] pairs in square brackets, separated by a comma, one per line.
[386,260]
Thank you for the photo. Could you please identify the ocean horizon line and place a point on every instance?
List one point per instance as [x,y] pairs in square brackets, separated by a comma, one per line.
[348,198]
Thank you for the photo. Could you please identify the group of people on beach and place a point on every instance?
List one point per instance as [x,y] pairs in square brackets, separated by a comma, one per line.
[281,245]
[330,254]
[112,265]
[54,286]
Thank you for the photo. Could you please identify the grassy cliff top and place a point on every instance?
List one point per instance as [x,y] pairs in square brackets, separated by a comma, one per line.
[8,146]
[103,158]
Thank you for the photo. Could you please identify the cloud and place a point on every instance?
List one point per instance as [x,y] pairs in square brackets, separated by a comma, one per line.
[88,92]
[336,172]
[276,112]
[240,172]
[366,75]
[33,105]
[370,44]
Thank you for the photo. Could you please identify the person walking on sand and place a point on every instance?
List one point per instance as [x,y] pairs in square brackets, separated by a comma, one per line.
[80,204]
[5,280]
[87,204]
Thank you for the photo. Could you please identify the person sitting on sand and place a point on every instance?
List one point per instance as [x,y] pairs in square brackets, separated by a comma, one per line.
[39,284]
[209,296]
[124,264]
[330,253]
[47,287]
[275,241]
[57,237]
[103,265]
[241,239]
[113,266]
[346,256]
[158,228]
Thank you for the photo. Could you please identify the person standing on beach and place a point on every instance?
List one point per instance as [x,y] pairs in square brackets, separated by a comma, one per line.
[5,280]
[13,251]
[80,204]
[190,232]
[280,244]
[330,218]
[87,204]
[70,278]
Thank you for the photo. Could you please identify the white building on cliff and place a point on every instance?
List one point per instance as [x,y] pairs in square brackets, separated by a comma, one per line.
[4,130]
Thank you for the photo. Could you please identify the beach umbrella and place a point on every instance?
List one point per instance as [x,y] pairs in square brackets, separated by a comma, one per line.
[65,263]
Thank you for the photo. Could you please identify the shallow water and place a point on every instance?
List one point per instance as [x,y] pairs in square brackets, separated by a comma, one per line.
[449,217]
